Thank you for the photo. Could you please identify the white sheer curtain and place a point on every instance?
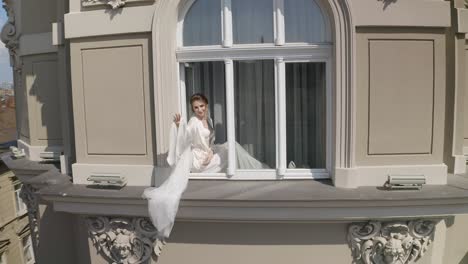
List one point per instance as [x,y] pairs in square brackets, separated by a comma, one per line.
[304,21]
[202,24]
[306,115]
[252,21]
[208,78]
[254,89]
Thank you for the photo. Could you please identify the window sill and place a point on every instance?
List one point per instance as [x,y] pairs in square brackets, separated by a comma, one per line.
[224,200]
[207,200]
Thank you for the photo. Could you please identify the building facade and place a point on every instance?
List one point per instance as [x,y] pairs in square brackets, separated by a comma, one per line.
[334,97]
[15,237]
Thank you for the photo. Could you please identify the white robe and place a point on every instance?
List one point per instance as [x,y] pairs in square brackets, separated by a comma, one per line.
[190,146]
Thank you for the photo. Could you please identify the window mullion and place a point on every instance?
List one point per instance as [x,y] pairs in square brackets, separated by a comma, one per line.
[280,78]
[226,22]
[279,22]
[231,129]
[183,95]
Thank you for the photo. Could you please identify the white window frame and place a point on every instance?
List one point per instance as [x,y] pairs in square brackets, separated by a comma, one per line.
[281,53]
[30,250]
[20,206]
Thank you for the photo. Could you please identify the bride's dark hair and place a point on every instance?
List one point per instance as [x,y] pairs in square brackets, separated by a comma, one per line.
[198,97]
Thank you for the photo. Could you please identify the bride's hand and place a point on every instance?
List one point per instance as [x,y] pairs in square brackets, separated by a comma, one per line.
[177,119]
[208,159]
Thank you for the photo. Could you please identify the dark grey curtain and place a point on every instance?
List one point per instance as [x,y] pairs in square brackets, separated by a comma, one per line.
[306,115]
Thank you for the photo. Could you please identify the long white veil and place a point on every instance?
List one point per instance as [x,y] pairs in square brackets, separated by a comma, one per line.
[163,201]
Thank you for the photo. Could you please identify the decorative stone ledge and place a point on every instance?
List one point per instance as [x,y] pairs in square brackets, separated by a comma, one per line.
[114,4]
[34,176]
[124,240]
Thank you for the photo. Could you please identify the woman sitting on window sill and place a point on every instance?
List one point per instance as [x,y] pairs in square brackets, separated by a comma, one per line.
[191,150]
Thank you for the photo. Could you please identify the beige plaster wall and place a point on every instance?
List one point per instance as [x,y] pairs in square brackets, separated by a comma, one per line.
[56,235]
[42,97]
[456,248]
[22,109]
[112,99]
[400,96]
[38,16]
[246,243]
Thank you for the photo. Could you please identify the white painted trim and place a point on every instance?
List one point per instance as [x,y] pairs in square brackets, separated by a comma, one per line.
[39,43]
[109,22]
[267,175]
[136,175]
[58,36]
[257,52]
[378,175]
[278,22]
[459,164]
[34,152]
[231,126]
[281,116]
[226,16]
[182,92]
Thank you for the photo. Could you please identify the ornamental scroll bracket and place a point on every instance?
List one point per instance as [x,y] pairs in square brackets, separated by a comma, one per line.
[27,194]
[400,242]
[10,36]
[124,240]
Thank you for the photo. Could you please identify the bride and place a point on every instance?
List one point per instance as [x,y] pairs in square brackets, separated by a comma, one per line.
[191,149]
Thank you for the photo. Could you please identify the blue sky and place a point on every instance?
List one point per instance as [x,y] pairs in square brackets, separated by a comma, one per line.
[6,74]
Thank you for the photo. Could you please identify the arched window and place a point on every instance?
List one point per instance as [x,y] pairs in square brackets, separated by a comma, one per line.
[265,67]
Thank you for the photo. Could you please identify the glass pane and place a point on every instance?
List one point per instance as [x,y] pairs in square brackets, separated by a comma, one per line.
[209,147]
[252,21]
[202,24]
[208,78]
[306,115]
[254,89]
[304,21]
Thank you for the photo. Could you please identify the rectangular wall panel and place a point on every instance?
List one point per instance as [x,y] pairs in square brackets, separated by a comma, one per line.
[114,100]
[401,97]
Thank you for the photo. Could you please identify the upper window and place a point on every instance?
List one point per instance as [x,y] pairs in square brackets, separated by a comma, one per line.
[19,204]
[265,67]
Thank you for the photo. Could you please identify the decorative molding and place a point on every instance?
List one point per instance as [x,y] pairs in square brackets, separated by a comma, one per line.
[112,3]
[29,197]
[399,242]
[10,36]
[124,240]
